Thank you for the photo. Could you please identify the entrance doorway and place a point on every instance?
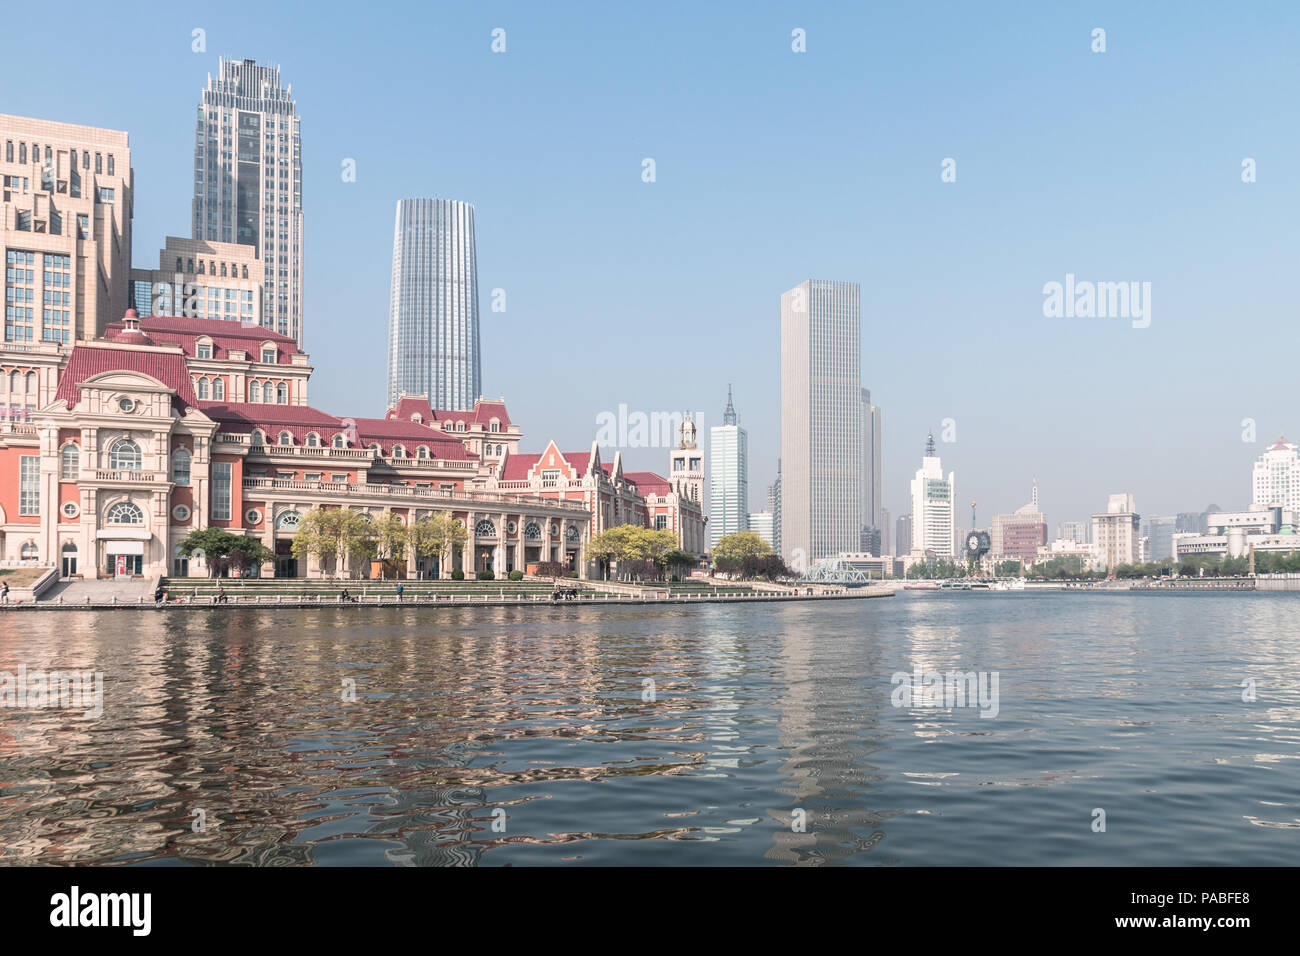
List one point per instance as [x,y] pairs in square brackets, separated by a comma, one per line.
[286,565]
[69,556]
[125,565]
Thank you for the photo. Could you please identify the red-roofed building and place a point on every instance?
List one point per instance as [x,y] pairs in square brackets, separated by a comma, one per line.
[123,446]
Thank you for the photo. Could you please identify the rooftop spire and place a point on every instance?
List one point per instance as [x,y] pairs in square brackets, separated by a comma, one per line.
[929,446]
[729,416]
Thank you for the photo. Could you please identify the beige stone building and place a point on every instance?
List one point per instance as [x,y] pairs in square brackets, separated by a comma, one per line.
[65,224]
[199,279]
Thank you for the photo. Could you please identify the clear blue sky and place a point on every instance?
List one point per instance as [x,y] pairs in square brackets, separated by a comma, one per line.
[773,167]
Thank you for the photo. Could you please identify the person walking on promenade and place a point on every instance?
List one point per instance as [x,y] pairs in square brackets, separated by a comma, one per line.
[343,598]
[4,592]
[399,592]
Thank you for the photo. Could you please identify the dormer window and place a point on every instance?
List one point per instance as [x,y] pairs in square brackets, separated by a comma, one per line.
[313,440]
[268,354]
[496,426]
[286,438]
[399,451]
[339,441]
[422,451]
[203,349]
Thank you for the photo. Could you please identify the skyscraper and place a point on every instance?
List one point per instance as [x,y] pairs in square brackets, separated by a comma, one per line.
[933,506]
[1275,480]
[433,338]
[1115,531]
[774,506]
[729,484]
[821,421]
[248,180]
[870,465]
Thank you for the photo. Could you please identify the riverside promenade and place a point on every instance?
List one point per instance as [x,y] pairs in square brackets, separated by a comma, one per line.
[229,594]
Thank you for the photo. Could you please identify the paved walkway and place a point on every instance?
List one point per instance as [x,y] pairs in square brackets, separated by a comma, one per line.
[110,591]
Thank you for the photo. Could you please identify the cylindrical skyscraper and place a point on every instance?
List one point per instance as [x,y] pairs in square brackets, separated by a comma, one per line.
[433,340]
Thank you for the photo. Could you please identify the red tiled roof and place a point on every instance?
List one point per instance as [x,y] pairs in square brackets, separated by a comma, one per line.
[482,413]
[648,483]
[518,466]
[387,432]
[225,335]
[298,420]
[409,405]
[87,361]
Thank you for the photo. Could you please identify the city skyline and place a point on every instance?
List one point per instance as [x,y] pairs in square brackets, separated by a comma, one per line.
[1236,246]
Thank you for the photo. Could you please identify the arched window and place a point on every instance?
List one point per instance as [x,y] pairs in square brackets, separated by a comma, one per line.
[572,534]
[258,437]
[287,520]
[124,455]
[255,392]
[219,389]
[422,451]
[69,462]
[181,466]
[203,388]
[399,451]
[15,380]
[313,440]
[286,438]
[339,441]
[124,512]
[485,528]
[31,382]
[282,394]
[29,551]
[245,272]
[532,531]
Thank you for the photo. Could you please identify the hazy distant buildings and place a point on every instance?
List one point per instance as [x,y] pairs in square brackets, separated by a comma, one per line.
[1020,534]
[1115,532]
[933,507]
[1158,531]
[1077,531]
[774,506]
[65,225]
[886,535]
[903,538]
[870,466]
[248,180]
[433,331]
[729,476]
[821,421]
[760,522]
[1275,482]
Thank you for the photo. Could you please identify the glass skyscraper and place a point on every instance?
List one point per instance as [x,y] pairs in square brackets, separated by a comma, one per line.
[822,458]
[248,180]
[729,470]
[433,335]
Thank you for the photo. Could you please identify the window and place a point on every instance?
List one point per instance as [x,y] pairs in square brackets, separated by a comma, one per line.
[69,462]
[219,389]
[124,512]
[339,441]
[29,551]
[282,394]
[110,164]
[399,451]
[221,471]
[29,485]
[181,466]
[257,437]
[422,451]
[255,392]
[124,455]
[285,438]
[287,520]
[313,440]
[532,531]
[268,354]
[204,350]
[203,388]
[485,528]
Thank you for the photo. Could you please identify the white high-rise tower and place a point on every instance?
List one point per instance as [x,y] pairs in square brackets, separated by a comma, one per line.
[729,484]
[933,506]
[433,335]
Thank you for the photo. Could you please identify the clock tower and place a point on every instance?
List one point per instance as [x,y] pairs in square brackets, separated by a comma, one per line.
[686,464]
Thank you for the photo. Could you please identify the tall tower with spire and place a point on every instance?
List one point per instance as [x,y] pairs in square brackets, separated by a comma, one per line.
[729,468]
[686,470]
[934,500]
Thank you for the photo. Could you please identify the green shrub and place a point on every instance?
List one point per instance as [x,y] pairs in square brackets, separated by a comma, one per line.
[516,575]
[458,575]
[486,576]
[573,574]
